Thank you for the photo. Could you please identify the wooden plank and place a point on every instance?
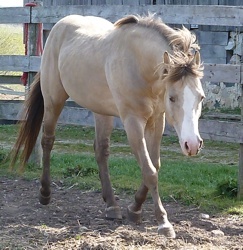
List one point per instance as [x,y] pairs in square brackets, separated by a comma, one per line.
[33,33]
[35,62]
[209,129]
[20,63]
[212,72]
[130,2]
[174,14]
[112,2]
[145,2]
[213,60]
[214,38]
[12,92]
[221,130]
[222,73]
[9,110]
[240,172]
[15,15]
[210,50]
[10,79]
[210,53]
[220,116]
[216,130]
[14,63]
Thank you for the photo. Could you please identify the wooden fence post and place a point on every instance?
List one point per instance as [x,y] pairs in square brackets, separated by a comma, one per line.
[240,173]
[33,33]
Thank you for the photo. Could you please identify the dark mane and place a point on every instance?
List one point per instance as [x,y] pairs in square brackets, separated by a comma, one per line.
[179,39]
[182,42]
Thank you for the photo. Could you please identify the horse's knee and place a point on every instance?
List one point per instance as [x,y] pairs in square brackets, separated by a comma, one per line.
[102,149]
[47,142]
[151,179]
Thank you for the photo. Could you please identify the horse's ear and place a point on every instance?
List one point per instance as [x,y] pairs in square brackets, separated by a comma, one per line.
[197,58]
[166,63]
[167,59]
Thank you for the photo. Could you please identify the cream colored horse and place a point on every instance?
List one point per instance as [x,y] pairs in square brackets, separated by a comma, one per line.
[138,69]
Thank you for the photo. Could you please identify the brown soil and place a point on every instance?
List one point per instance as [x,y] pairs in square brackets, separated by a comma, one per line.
[75,220]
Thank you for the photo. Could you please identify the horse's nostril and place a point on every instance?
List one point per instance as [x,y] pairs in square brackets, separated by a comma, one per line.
[201,143]
[186,146]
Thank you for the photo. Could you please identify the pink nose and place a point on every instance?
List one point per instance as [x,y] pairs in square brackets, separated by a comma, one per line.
[192,148]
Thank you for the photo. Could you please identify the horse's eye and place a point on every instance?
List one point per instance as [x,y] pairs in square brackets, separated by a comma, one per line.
[202,98]
[172,99]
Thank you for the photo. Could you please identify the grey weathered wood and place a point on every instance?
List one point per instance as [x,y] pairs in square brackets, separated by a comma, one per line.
[216,60]
[209,129]
[240,173]
[112,2]
[221,130]
[14,63]
[213,50]
[34,64]
[213,53]
[9,79]
[33,32]
[174,14]
[9,110]
[15,15]
[209,37]
[222,73]
[212,72]
[220,116]
[20,63]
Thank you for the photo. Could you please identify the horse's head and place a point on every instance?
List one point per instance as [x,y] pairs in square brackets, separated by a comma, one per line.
[183,98]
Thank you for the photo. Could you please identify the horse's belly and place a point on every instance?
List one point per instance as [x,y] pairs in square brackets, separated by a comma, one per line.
[95,97]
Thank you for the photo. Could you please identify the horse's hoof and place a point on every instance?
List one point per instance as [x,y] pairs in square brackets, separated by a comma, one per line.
[113,213]
[135,217]
[167,231]
[44,200]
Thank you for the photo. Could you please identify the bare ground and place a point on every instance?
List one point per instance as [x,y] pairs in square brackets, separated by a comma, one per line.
[75,220]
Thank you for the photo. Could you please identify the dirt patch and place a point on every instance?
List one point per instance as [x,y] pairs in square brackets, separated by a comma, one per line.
[75,220]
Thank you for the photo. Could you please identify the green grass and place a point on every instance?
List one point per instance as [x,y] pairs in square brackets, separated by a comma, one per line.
[207,180]
[11,40]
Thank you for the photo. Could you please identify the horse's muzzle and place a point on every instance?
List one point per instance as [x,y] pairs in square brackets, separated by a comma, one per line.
[191,148]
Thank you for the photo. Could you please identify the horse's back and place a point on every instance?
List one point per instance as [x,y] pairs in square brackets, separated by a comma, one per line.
[75,29]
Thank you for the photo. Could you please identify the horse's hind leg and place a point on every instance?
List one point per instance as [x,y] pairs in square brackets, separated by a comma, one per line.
[54,100]
[103,129]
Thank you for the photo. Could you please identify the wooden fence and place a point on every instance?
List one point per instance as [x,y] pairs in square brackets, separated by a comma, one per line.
[173,14]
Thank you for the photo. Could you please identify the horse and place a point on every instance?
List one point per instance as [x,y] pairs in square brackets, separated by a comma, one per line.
[138,69]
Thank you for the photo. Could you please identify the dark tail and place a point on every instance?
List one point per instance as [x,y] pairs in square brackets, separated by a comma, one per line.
[30,125]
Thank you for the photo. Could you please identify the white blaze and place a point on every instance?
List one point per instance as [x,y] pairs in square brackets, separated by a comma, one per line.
[189,128]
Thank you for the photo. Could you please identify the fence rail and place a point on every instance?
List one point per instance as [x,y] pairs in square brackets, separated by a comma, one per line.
[172,14]
[212,72]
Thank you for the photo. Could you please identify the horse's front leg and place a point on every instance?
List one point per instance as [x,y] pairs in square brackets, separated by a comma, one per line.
[103,129]
[153,134]
[135,129]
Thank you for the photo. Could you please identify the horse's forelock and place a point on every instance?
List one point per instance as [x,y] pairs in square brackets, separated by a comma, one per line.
[183,65]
